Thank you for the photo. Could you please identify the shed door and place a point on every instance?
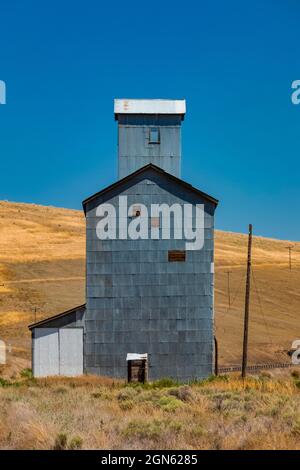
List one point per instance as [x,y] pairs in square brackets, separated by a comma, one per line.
[45,352]
[71,351]
[58,352]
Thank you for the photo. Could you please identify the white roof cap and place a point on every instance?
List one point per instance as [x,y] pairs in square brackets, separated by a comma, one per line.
[128,106]
[136,356]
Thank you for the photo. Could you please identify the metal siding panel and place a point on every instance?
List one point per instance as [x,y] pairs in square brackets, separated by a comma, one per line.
[45,352]
[135,151]
[139,300]
[71,351]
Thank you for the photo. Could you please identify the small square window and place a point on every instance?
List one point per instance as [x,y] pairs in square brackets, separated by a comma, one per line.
[176,255]
[154,137]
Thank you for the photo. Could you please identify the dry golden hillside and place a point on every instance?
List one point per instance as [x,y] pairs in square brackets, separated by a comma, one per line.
[42,272]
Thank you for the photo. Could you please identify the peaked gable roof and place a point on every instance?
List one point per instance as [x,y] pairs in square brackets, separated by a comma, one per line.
[142,170]
[56,317]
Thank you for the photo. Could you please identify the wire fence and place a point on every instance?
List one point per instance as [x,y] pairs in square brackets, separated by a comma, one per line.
[257,367]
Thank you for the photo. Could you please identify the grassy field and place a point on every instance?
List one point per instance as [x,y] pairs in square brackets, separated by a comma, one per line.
[42,272]
[95,413]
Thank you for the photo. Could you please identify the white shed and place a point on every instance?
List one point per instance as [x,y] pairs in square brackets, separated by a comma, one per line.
[57,344]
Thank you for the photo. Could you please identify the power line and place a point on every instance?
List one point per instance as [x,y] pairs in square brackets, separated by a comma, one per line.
[260,307]
[234,297]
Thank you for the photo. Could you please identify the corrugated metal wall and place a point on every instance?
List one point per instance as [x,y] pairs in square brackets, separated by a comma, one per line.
[138,302]
[135,150]
[58,351]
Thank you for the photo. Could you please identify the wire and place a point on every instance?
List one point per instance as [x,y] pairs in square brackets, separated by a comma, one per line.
[261,309]
[223,314]
[237,291]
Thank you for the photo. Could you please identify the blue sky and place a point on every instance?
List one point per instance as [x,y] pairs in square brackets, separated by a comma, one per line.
[65,61]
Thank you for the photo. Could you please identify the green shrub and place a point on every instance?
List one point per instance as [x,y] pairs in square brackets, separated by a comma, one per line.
[4,383]
[210,379]
[9,383]
[297,383]
[61,442]
[165,382]
[128,393]
[169,403]
[26,373]
[75,443]
[144,430]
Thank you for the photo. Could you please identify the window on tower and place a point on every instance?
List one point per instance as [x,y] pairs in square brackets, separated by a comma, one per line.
[154,137]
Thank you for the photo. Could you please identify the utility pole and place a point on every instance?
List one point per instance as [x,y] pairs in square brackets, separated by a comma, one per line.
[247,301]
[216,356]
[290,256]
[34,314]
[228,288]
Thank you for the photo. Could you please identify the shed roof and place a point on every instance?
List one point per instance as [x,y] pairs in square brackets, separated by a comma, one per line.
[55,317]
[144,169]
[142,106]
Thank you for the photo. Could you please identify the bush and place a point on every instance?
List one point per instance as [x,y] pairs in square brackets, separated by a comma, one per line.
[165,382]
[144,430]
[169,404]
[26,374]
[75,443]
[128,393]
[4,383]
[297,383]
[183,393]
[8,383]
[61,442]
[210,379]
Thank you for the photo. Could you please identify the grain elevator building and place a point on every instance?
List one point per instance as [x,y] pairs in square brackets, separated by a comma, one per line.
[149,291]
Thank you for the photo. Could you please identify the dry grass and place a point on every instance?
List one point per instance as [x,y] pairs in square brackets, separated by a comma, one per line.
[42,267]
[274,303]
[98,413]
